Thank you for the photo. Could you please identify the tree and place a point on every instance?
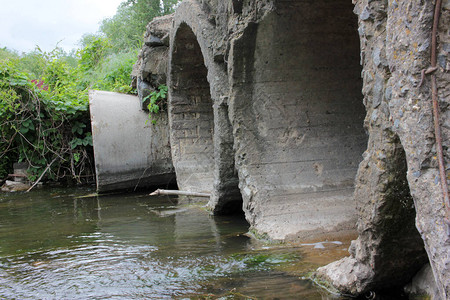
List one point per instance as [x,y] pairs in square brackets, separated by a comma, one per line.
[126,28]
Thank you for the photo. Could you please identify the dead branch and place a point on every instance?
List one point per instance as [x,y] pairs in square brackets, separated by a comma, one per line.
[180,193]
[42,175]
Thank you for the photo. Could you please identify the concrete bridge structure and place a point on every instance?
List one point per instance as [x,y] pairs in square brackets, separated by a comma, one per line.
[276,121]
[310,117]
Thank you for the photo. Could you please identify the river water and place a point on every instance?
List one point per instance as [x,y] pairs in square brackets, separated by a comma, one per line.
[68,244]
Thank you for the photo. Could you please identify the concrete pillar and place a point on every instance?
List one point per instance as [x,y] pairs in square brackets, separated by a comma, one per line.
[201,134]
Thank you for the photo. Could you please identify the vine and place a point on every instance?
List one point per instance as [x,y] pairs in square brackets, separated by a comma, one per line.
[45,122]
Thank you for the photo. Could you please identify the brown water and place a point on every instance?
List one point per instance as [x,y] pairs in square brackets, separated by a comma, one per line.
[56,245]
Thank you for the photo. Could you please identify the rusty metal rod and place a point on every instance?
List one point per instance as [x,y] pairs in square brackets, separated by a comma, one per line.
[439,149]
[436,114]
[437,12]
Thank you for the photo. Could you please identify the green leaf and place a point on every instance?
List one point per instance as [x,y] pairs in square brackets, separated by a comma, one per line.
[88,140]
[24,130]
[75,143]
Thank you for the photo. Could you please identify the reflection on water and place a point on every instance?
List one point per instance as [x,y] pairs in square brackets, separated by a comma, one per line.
[58,245]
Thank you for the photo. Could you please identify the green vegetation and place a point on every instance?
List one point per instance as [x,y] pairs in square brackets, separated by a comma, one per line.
[103,69]
[264,260]
[125,29]
[44,121]
[44,116]
[156,101]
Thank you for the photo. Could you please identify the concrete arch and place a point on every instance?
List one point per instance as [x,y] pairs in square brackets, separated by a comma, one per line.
[191,114]
[297,113]
[201,134]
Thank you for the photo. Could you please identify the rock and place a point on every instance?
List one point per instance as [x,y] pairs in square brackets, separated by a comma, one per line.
[154,62]
[394,229]
[144,89]
[166,40]
[153,41]
[423,285]
[347,275]
[365,14]
[160,26]
[13,186]
[149,72]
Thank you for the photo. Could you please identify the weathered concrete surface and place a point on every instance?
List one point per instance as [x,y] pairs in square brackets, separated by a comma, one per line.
[271,90]
[201,137]
[388,239]
[128,152]
[191,115]
[276,113]
[395,45]
[297,114]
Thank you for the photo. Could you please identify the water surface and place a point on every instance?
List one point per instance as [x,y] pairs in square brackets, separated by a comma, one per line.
[60,244]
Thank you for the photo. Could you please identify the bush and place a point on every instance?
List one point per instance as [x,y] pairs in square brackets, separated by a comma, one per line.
[114,73]
[45,121]
[44,118]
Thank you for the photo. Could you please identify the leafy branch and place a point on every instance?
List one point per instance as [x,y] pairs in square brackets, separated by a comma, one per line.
[157,101]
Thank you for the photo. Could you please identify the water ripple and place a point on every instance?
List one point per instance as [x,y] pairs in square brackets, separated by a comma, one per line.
[105,271]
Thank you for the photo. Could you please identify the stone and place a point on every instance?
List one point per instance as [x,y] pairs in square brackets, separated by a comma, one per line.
[160,26]
[154,63]
[402,121]
[14,186]
[150,70]
[365,14]
[166,40]
[144,89]
[153,41]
